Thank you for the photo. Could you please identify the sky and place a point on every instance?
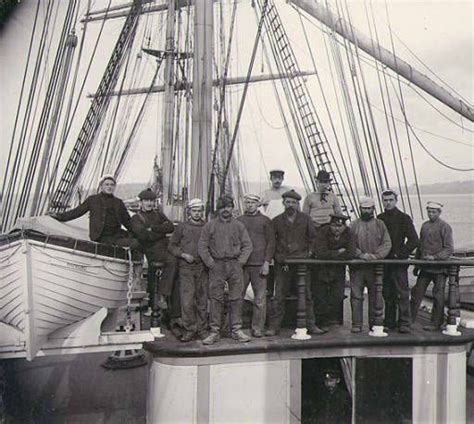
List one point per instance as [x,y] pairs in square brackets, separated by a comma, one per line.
[439,34]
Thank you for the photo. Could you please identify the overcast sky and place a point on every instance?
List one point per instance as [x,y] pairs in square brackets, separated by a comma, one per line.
[440,33]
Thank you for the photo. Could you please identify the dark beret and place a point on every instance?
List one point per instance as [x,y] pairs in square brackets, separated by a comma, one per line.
[224,201]
[147,194]
[339,218]
[292,194]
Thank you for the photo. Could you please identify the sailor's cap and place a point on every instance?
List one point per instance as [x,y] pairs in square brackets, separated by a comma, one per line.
[338,218]
[389,191]
[366,202]
[195,203]
[277,170]
[107,177]
[224,201]
[251,196]
[292,194]
[147,194]
[434,205]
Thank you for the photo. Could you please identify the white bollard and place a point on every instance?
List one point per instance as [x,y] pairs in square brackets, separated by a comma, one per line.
[377,331]
[301,334]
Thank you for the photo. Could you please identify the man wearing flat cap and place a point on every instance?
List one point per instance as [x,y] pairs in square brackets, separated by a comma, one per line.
[150,226]
[334,242]
[257,268]
[271,198]
[107,215]
[224,247]
[294,233]
[396,293]
[436,243]
[320,204]
[372,242]
[192,273]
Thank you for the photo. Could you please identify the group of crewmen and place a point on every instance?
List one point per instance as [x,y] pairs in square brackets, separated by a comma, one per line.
[218,260]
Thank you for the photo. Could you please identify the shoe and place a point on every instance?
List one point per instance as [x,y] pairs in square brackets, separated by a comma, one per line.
[211,339]
[240,336]
[257,333]
[404,329]
[203,334]
[316,330]
[271,332]
[431,327]
[356,329]
[148,312]
[187,337]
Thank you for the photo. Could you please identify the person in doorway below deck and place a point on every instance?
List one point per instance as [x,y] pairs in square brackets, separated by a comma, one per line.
[107,215]
[320,204]
[271,198]
[436,243]
[150,226]
[372,242]
[294,235]
[256,269]
[334,242]
[192,273]
[396,293]
[225,247]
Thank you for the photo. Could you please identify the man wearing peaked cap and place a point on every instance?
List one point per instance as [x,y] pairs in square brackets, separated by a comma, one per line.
[396,292]
[436,243]
[107,215]
[257,268]
[193,277]
[320,204]
[150,226]
[292,194]
[271,198]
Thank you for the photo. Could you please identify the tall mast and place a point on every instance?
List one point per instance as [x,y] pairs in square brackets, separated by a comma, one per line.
[346,30]
[202,99]
[168,107]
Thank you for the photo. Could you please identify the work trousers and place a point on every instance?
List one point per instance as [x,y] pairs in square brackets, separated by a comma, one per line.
[223,271]
[362,276]
[193,296]
[283,280]
[419,290]
[259,286]
[328,293]
[396,295]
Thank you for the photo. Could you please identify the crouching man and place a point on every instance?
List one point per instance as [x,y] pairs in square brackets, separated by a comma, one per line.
[192,274]
[334,242]
[225,247]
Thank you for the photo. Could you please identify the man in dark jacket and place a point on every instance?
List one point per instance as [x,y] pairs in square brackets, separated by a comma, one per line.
[150,226]
[396,292]
[192,272]
[294,235]
[107,214]
[256,269]
[333,242]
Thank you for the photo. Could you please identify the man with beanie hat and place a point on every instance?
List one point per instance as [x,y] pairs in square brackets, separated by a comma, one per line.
[191,273]
[150,226]
[107,215]
[225,247]
[257,267]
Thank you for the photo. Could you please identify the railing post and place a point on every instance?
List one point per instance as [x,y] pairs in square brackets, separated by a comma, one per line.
[377,328]
[301,332]
[155,319]
[452,327]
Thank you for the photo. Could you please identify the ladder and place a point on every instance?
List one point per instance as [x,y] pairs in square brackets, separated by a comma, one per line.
[87,135]
[313,142]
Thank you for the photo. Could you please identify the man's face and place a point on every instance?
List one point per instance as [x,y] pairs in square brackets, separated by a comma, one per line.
[367,212]
[251,206]
[147,205]
[277,180]
[322,185]
[433,214]
[107,186]
[225,212]
[389,201]
[196,213]
[291,205]
[337,228]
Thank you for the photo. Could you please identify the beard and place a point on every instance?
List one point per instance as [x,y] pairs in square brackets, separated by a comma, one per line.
[290,210]
[366,216]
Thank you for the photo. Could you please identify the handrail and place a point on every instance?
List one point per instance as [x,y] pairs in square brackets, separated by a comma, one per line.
[421,262]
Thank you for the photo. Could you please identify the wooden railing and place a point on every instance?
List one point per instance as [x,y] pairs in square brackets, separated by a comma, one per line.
[453,266]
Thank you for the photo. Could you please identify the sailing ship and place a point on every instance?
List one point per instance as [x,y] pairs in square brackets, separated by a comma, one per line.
[186,51]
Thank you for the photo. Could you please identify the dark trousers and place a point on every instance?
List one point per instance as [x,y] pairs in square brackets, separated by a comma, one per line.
[363,276]
[328,294]
[259,286]
[419,290]
[396,295]
[193,297]
[283,280]
[223,271]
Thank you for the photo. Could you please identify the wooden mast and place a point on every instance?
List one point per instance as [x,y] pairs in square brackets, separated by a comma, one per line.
[202,99]
[346,30]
